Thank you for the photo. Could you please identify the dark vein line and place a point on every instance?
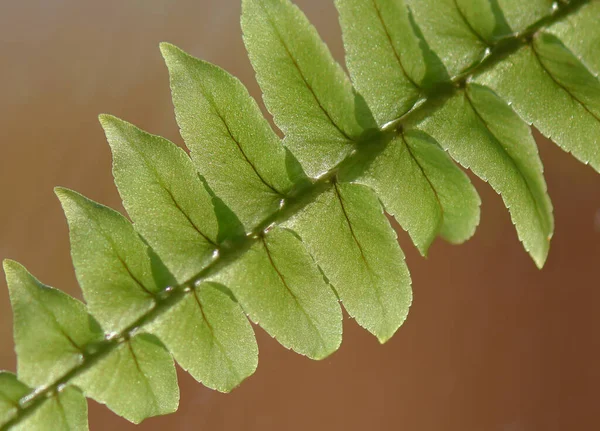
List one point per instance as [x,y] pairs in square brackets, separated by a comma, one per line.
[114,248]
[297,66]
[210,99]
[396,53]
[281,277]
[214,339]
[433,189]
[152,168]
[58,326]
[512,160]
[292,294]
[62,410]
[370,272]
[70,340]
[254,168]
[202,312]
[133,277]
[470,26]
[172,295]
[190,221]
[144,377]
[347,218]
[541,63]
[137,364]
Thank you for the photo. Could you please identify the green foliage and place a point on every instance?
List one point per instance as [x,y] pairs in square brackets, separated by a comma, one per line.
[561,99]
[136,380]
[281,288]
[308,93]
[491,140]
[210,337]
[11,391]
[64,410]
[51,329]
[111,261]
[231,143]
[282,231]
[164,197]
[350,217]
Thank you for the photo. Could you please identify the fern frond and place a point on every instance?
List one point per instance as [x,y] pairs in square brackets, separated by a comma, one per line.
[283,231]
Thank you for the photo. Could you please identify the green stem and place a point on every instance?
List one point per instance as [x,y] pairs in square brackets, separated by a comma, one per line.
[293,203]
[497,52]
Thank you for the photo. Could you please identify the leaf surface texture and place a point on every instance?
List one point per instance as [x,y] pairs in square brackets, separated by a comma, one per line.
[251,226]
[347,233]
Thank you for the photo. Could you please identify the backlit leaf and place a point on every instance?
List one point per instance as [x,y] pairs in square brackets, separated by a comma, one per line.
[51,328]
[136,380]
[347,232]
[278,284]
[491,140]
[210,337]
[326,118]
[550,88]
[111,261]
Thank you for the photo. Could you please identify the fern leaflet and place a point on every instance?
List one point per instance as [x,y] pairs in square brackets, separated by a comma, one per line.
[282,234]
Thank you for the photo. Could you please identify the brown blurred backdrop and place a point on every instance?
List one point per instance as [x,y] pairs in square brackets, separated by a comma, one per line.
[491,343]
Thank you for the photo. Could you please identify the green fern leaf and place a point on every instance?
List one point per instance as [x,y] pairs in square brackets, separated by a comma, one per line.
[282,231]
[550,88]
[132,287]
[232,145]
[491,140]
[584,43]
[455,39]
[422,188]
[281,288]
[51,329]
[165,198]
[210,337]
[307,92]
[389,64]
[53,333]
[136,380]
[346,231]
[518,14]
[111,261]
[11,392]
[386,61]
[66,410]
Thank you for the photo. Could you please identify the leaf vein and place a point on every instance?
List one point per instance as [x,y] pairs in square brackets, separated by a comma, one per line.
[306,83]
[563,87]
[393,47]
[292,294]
[541,219]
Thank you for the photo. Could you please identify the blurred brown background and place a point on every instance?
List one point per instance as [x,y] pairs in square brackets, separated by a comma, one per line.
[491,343]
